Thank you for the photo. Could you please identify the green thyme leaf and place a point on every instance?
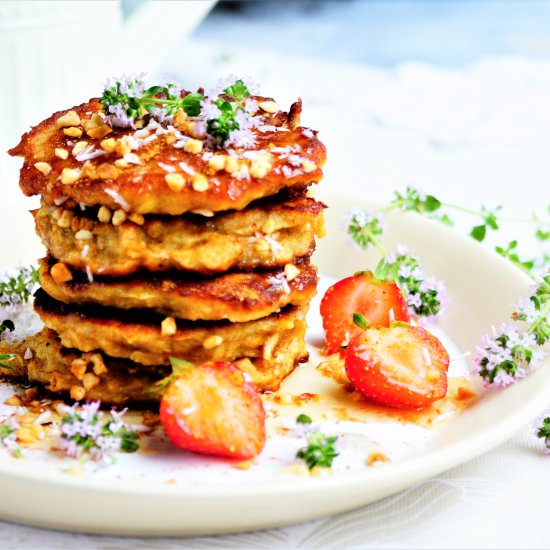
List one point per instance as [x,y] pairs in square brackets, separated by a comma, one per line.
[320,451]
[237,91]
[303,419]
[431,204]
[478,232]
[359,320]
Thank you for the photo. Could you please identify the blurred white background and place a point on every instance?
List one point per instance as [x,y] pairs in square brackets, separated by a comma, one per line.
[450,96]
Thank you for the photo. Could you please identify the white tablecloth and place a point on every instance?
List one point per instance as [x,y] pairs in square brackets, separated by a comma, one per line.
[474,136]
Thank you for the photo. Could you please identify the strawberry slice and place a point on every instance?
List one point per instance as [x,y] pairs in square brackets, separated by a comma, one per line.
[402,366]
[380,303]
[212,409]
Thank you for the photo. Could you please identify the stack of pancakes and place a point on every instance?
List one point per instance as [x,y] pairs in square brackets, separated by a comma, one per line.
[162,245]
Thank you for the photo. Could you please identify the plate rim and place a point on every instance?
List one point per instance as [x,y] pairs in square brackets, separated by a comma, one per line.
[422,465]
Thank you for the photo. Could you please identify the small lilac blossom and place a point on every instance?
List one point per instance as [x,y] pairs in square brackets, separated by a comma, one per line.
[241,138]
[250,105]
[209,110]
[84,433]
[132,85]
[363,226]
[507,356]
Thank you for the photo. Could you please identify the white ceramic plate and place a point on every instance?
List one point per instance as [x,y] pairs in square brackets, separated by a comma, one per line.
[173,493]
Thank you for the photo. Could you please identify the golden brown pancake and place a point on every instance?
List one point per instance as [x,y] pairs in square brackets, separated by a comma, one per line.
[144,183]
[137,334]
[95,376]
[235,296]
[267,235]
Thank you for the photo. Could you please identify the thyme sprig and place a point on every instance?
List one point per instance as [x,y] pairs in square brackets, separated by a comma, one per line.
[490,220]
[224,114]
[86,435]
[425,296]
[125,100]
[514,350]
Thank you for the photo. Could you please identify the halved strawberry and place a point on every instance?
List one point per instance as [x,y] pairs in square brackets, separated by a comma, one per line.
[401,366]
[380,303]
[212,409]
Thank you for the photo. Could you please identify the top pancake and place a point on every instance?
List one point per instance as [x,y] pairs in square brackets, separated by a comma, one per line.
[150,170]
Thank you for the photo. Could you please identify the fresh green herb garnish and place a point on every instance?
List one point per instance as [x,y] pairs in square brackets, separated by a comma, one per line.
[542,430]
[320,451]
[360,321]
[124,101]
[84,434]
[303,419]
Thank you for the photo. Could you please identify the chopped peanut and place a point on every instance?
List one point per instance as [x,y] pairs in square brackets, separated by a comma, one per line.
[104,214]
[96,127]
[88,171]
[200,183]
[119,217]
[61,153]
[60,273]
[291,272]
[73,131]
[90,380]
[231,164]
[70,118]
[106,171]
[268,106]
[108,144]
[78,368]
[168,327]
[179,118]
[175,182]
[212,341]
[138,219]
[123,146]
[83,235]
[99,131]
[193,146]
[43,167]
[259,168]
[77,393]
[308,166]
[65,219]
[216,163]
[79,147]
[69,175]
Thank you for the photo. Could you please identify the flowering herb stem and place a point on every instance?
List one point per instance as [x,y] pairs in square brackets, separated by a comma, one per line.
[224,114]
[85,435]
[412,200]
[512,352]
[425,296]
